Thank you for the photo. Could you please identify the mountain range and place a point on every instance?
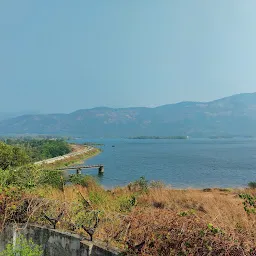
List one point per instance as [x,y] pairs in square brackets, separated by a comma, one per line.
[230,116]
[8,115]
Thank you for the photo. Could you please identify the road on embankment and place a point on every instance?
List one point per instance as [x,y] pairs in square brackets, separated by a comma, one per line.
[77,150]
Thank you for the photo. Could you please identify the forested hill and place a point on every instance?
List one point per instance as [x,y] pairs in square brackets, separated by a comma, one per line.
[235,115]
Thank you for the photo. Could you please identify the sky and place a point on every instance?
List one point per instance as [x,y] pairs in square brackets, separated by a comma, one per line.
[60,56]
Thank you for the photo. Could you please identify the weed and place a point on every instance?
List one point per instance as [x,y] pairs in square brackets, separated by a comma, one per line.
[249,203]
[22,247]
[214,230]
[186,213]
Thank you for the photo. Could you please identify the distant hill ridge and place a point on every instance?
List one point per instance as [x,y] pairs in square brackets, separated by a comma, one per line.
[230,116]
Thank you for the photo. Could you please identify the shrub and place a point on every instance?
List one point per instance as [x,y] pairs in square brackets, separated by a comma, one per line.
[84,180]
[249,203]
[22,247]
[5,178]
[252,184]
[141,185]
[126,203]
[53,178]
[26,176]
[156,184]
[97,197]
[12,156]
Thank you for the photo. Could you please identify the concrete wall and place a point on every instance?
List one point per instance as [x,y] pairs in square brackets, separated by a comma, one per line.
[56,243]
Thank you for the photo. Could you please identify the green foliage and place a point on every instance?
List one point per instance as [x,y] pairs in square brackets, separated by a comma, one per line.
[5,178]
[187,213]
[53,148]
[83,180]
[249,203]
[252,184]
[40,149]
[25,176]
[214,230]
[53,178]
[140,185]
[126,203]
[97,197]
[76,179]
[31,176]
[22,247]
[12,156]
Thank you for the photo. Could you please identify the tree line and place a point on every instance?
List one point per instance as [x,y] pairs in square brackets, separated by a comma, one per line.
[17,152]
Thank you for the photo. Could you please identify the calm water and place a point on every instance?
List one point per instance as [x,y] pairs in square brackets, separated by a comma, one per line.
[180,163]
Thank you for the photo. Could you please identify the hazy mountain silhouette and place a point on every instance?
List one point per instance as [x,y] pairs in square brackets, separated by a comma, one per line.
[235,115]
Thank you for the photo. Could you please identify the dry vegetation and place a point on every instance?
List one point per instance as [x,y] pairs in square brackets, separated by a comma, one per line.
[142,218]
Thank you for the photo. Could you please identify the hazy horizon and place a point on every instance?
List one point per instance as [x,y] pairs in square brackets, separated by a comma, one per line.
[63,56]
[35,112]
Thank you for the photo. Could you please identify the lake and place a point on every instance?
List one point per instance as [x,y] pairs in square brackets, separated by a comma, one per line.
[193,163]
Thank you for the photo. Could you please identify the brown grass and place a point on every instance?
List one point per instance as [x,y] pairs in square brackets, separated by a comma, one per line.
[169,221]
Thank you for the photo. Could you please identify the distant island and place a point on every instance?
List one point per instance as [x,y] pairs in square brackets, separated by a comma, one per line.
[160,137]
[231,137]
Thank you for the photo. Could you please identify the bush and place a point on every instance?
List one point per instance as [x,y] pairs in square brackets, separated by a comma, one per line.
[31,176]
[252,184]
[139,185]
[98,197]
[37,149]
[53,178]
[26,176]
[12,156]
[84,180]
[22,247]
[5,178]
[127,203]
[53,148]
[156,184]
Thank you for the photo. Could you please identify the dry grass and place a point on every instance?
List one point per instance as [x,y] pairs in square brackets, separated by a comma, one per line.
[223,209]
[159,210]
[169,221]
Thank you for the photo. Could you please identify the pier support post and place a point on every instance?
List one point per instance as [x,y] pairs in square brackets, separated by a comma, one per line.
[101,169]
[78,171]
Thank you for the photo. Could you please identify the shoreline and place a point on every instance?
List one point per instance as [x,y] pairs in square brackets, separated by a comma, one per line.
[78,154]
[81,152]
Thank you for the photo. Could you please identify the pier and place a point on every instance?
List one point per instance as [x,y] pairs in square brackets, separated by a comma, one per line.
[79,169]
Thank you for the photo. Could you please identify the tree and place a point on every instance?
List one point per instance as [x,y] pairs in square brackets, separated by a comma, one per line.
[12,156]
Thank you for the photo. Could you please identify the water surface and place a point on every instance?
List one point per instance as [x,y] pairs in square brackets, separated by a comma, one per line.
[181,163]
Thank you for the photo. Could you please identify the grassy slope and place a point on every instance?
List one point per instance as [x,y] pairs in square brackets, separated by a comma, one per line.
[171,222]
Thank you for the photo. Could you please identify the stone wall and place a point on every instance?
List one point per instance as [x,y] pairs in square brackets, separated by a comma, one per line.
[56,243]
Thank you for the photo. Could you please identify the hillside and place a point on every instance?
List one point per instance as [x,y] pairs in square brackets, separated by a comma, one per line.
[8,115]
[235,115]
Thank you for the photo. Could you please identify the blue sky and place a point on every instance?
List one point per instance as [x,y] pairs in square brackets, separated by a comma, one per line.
[62,55]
